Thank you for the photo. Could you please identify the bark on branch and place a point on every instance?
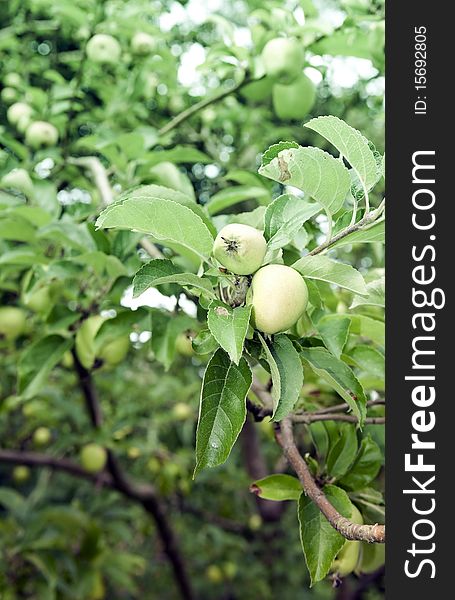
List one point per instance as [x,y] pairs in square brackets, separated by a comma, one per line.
[348,529]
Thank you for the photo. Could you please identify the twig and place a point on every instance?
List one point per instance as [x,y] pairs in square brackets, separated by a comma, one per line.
[344,406]
[308,418]
[348,529]
[189,112]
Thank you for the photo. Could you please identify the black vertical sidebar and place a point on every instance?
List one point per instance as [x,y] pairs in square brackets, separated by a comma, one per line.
[420,255]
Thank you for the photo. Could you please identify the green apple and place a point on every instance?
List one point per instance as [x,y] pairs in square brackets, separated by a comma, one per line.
[283,59]
[134,452]
[373,557]
[93,458]
[182,411]
[214,574]
[279,297]
[9,95]
[142,43]
[12,322]
[255,522]
[114,352]
[18,179]
[21,474]
[85,340]
[18,110]
[230,569]
[67,360]
[348,557]
[294,101]
[41,133]
[42,436]
[40,300]
[259,90]
[183,345]
[12,80]
[154,465]
[240,248]
[103,48]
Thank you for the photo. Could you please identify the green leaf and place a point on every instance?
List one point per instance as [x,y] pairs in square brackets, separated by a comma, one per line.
[37,361]
[338,375]
[351,144]
[313,171]
[166,221]
[229,327]
[368,359]
[233,195]
[374,233]
[365,467]
[69,234]
[204,342]
[222,411]
[284,217]
[102,263]
[334,331]
[320,541]
[160,271]
[274,150]
[287,374]
[331,271]
[342,454]
[369,328]
[375,295]
[277,487]
[165,329]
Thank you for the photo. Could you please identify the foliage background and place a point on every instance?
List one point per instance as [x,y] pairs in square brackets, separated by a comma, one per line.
[60,535]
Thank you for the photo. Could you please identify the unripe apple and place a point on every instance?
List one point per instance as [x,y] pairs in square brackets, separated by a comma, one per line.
[21,474]
[41,133]
[230,569]
[103,48]
[12,80]
[85,340]
[214,574]
[279,297]
[9,95]
[67,360]
[283,59]
[134,452]
[18,179]
[40,300]
[182,411]
[373,557]
[240,248]
[18,110]
[93,458]
[254,522]
[12,322]
[42,436]
[114,352]
[294,101]
[23,123]
[348,557]
[259,90]
[142,43]
[183,345]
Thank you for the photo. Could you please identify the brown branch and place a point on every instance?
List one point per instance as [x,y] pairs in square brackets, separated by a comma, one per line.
[145,495]
[308,418]
[257,469]
[351,531]
[189,112]
[345,406]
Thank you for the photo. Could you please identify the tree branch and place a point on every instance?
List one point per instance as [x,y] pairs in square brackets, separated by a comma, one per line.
[349,530]
[308,418]
[189,112]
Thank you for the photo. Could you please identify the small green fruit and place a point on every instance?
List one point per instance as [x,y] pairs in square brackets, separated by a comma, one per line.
[12,322]
[18,110]
[103,48]
[42,436]
[67,360]
[9,95]
[41,133]
[230,569]
[183,345]
[182,411]
[279,297]
[373,557]
[214,574]
[294,101]
[114,352]
[240,248]
[40,300]
[85,340]
[283,59]
[134,452]
[13,80]
[93,458]
[254,522]
[21,474]
[18,179]
[348,557]
[142,43]
[258,91]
